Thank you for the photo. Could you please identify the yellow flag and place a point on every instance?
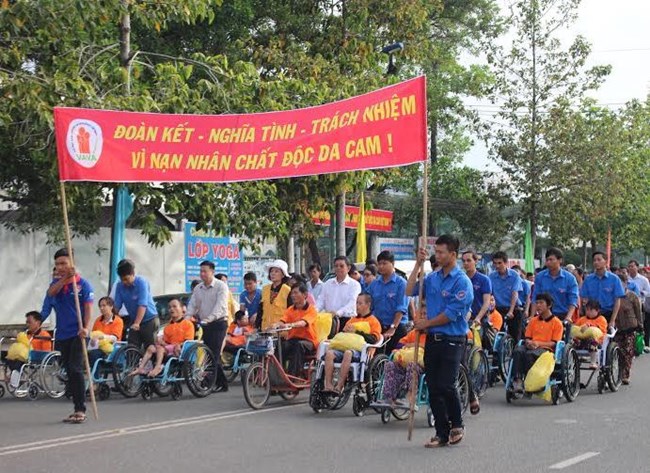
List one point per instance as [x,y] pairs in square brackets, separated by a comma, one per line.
[362,252]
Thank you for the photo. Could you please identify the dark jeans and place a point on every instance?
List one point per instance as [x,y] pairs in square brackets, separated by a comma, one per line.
[646,328]
[514,324]
[400,331]
[441,365]
[523,359]
[72,361]
[146,336]
[214,334]
[294,351]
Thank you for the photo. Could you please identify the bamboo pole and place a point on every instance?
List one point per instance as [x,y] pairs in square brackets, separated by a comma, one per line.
[68,238]
[422,244]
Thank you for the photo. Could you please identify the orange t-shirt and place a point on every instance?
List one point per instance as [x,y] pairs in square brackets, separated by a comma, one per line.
[375,325]
[307,314]
[599,322]
[238,340]
[114,327]
[43,342]
[177,332]
[540,330]
[410,338]
[496,319]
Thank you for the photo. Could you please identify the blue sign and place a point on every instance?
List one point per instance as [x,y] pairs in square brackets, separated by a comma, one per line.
[224,252]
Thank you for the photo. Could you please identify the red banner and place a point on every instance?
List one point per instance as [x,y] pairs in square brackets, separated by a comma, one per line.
[376,220]
[384,128]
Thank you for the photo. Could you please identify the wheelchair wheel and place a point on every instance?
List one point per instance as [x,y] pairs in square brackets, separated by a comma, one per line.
[52,377]
[162,391]
[478,371]
[570,373]
[146,391]
[257,385]
[613,358]
[32,391]
[199,370]
[375,373]
[463,386]
[103,391]
[555,394]
[359,405]
[385,416]
[400,414]
[125,361]
[431,421]
[2,391]
[289,395]
[176,391]
[227,363]
[505,355]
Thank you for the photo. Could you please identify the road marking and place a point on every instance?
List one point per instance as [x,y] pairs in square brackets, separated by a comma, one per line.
[136,429]
[573,461]
[565,421]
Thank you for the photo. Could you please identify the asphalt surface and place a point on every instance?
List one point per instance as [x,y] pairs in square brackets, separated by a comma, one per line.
[607,432]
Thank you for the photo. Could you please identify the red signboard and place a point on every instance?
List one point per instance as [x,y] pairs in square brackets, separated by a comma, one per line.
[376,220]
[380,129]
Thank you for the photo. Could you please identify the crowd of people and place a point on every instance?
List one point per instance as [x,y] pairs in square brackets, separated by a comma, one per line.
[533,307]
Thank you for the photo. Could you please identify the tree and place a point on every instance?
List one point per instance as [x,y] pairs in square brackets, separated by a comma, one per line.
[534,74]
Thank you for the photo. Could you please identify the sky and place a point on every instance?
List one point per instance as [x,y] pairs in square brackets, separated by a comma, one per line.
[619,34]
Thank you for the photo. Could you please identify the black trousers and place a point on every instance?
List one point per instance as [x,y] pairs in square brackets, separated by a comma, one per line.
[514,324]
[400,331]
[523,359]
[214,334]
[294,351]
[442,360]
[146,335]
[72,361]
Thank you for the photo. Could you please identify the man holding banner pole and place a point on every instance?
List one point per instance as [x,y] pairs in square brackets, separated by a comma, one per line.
[447,296]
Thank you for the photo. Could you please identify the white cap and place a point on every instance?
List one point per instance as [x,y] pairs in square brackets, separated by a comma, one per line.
[281,265]
[570,267]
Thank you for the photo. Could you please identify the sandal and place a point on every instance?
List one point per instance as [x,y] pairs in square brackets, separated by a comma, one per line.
[155,372]
[475,408]
[79,418]
[69,419]
[456,435]
[435,442]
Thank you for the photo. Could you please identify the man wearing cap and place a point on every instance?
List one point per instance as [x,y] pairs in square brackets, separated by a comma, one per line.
[339,294]
[644,290]
[209,306]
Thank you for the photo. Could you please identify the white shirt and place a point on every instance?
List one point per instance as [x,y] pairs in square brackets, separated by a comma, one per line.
[209,303]
[339,298]
[643,285]
[316,289]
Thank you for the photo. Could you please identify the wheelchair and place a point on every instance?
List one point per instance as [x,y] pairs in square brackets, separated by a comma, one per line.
[235,364]
[608,373]
[41,373]
[565,378]
[476,363]
[108,375]
[361,383]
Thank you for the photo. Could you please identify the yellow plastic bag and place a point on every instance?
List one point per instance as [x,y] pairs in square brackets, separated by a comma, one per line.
[19,350]
[476,332]
[592,333]
[406,355]
[362,327]
[106,346]
[323,325]
[347,341]
[539,373]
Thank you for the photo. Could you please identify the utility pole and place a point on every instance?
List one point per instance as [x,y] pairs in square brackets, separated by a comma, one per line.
[340,224]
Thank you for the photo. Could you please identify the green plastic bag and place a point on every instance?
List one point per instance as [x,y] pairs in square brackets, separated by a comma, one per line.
[639,344]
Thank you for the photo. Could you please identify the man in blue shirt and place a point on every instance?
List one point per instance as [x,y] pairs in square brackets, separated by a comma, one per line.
[481,285]
[448,295]
[250,299]
[604,287]
[559,283]
[69,336]
[135,294]
[524,294]
[506,285]
[390,306]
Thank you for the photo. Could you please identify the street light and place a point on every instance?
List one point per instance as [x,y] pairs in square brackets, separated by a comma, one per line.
[391,49]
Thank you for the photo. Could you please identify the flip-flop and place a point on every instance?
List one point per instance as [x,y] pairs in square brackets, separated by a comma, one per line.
[456,435]
[475,408]
[435,442]
[78,419]
[69,419]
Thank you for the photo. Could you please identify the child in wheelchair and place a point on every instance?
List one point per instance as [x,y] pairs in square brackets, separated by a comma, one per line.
[346,357]
[237,333]
[34,338]
[589,331]
[174,335]
[542,333]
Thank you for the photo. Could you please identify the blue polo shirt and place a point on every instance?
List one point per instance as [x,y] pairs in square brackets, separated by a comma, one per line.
[452,295]
[252,304]
[481,285]
[134,296]
[563,288]
[388,298]
[632,286]
[67,325]
[605,289]
[504,286]
[524,293]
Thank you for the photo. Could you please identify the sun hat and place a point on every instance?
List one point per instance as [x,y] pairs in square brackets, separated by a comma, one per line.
[281,265]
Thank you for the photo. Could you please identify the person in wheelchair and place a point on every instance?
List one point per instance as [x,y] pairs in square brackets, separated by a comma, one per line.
[490,325]
[364,304]
[301,339]
[589,331]
[108,326]
[543,332]
[237,333]
[398,373]
[174,335]
[39,340]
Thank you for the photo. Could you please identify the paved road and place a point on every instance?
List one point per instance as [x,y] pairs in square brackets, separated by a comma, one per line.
[608,432]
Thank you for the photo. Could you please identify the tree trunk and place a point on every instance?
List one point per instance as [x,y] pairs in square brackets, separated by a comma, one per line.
[313,251]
